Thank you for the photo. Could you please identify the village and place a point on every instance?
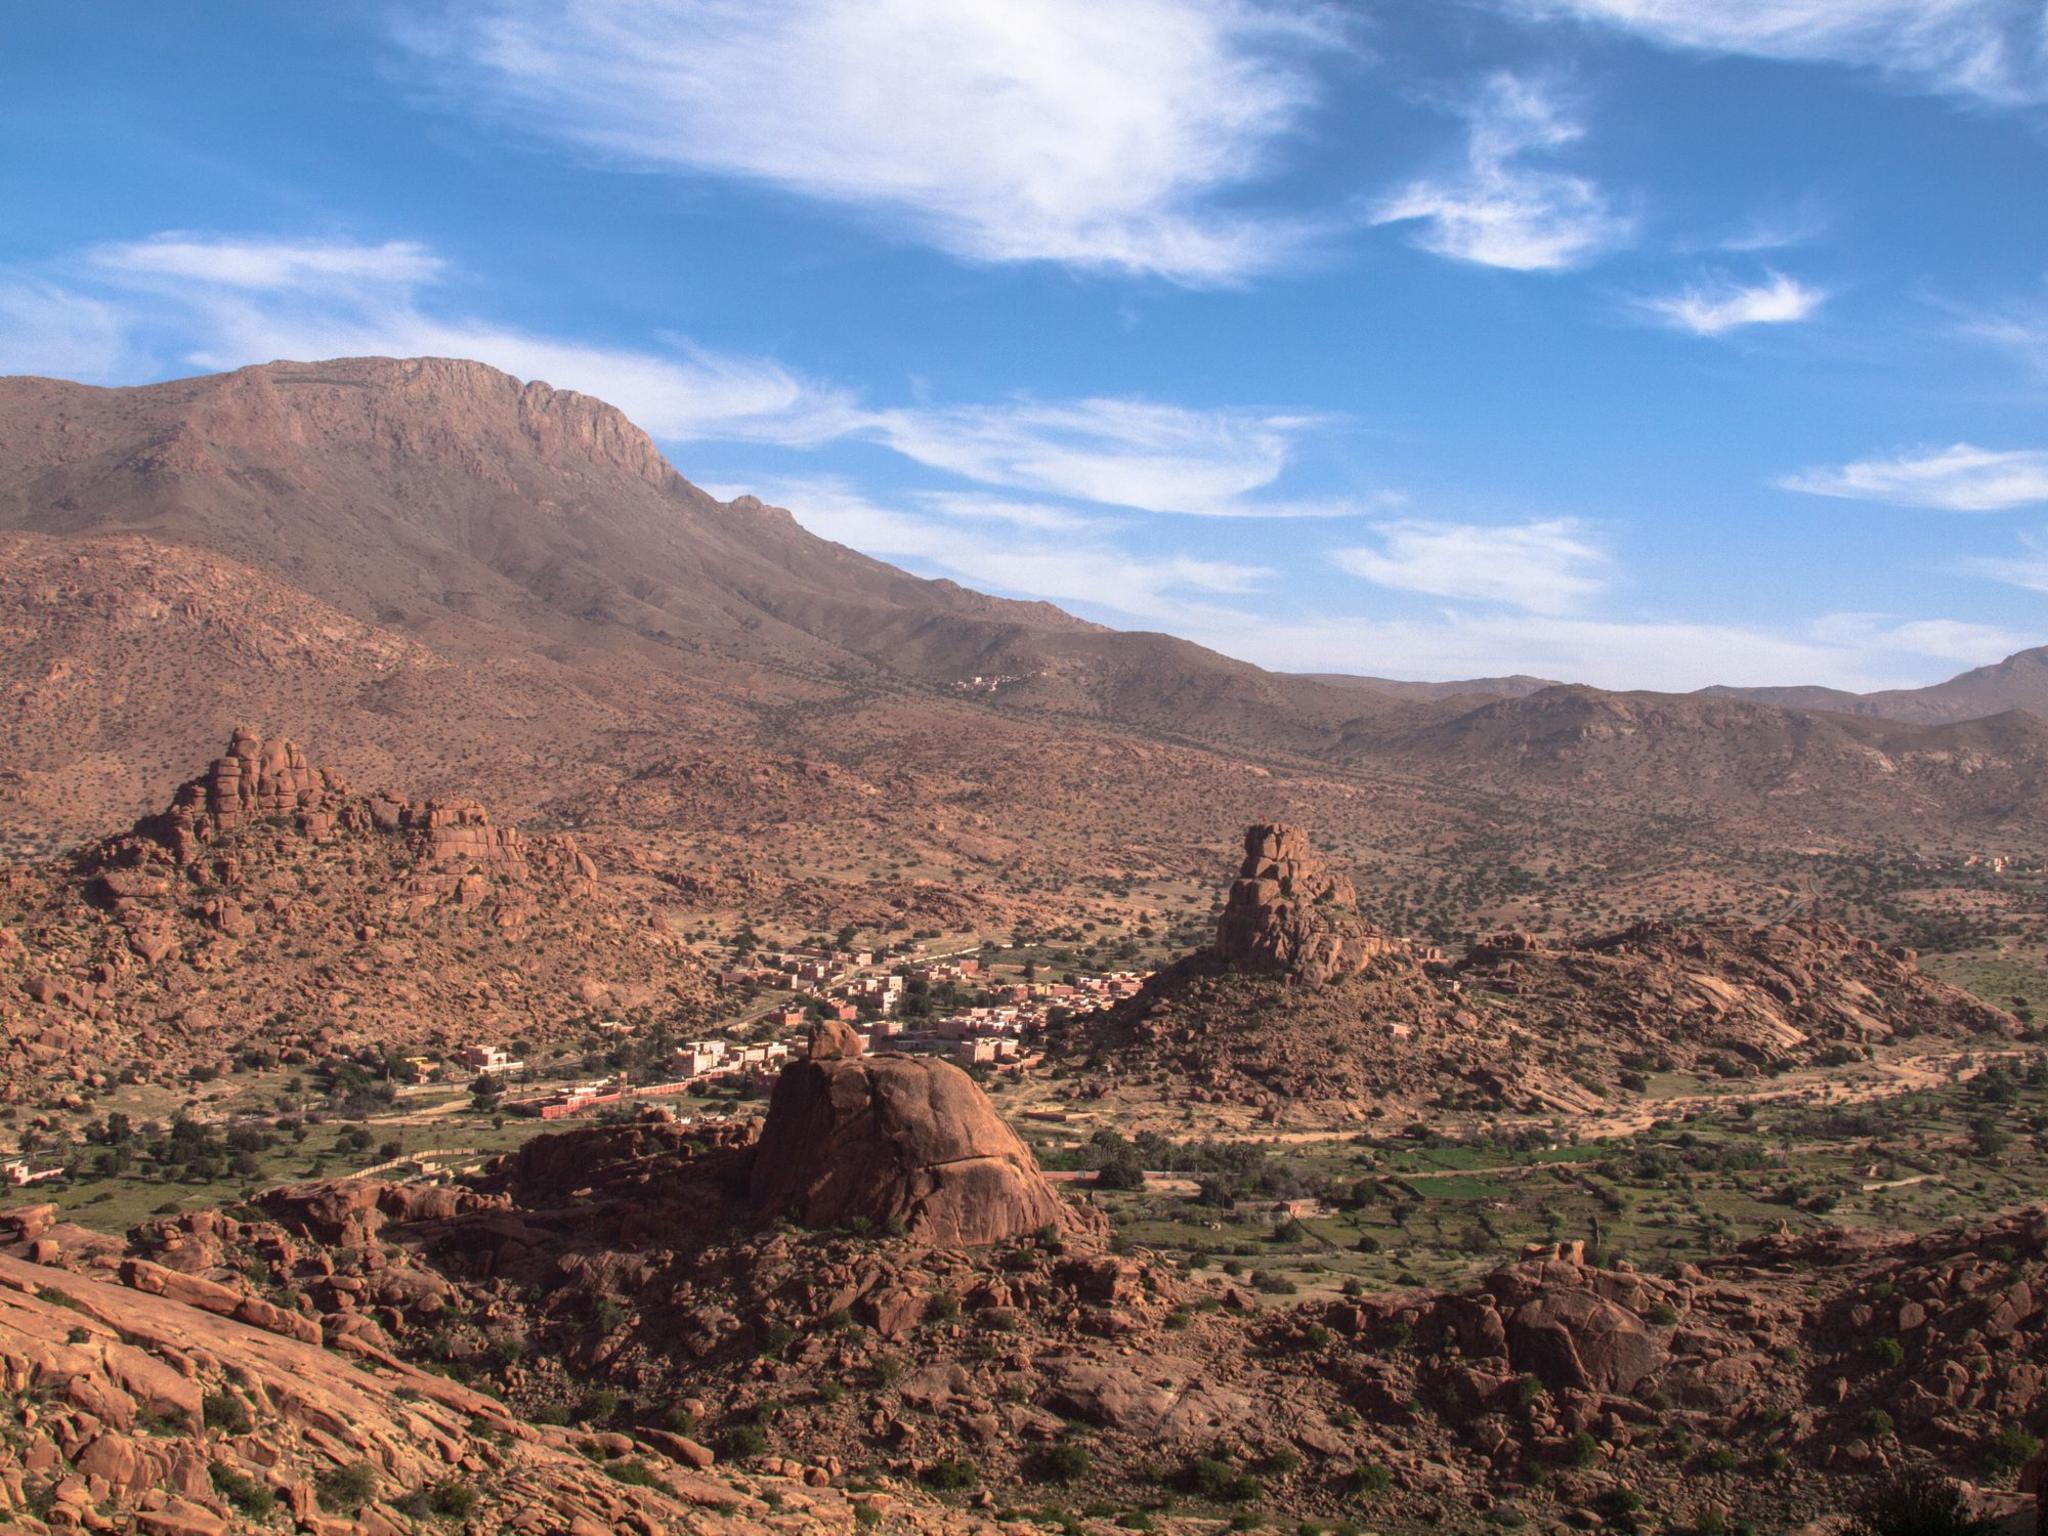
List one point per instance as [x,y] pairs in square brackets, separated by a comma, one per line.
[960,1007]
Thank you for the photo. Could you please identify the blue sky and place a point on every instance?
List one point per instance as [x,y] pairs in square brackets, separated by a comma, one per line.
[1639,342]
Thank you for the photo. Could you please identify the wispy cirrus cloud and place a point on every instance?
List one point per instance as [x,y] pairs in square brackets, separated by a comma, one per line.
[1544,567]
[1104,133]
[2019,329]
[271,265]
[1961,478]
[1503,208]
[222,301]
[1667,654]
[1130,453]
[2027,567]
[51,330]
[1993,51]
[1954,640]
[1715,308]
[1043,552]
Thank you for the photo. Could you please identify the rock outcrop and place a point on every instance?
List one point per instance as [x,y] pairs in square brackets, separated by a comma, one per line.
[363,913]
[1288,914]
[269,779]
[898,1139]
[1729,993]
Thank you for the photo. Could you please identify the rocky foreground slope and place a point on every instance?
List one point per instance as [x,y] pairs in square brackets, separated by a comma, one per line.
[724,1365]
[273,908]
[1298,1000]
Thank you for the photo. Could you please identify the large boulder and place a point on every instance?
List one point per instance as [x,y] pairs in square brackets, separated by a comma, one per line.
[908,1138]
[1575,1340]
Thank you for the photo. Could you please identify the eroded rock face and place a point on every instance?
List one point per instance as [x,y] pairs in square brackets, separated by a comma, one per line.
[908,1138]
[1289,914]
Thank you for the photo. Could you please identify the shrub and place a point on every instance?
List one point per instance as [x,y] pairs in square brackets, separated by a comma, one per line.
[1211,1477]
[1370,1477]
[865,1515]
[633,1472]
[948,1476]
[243,1492]
[742,1441]
[1584,1450]
[226,1412]
[1889,1352]
[452,1500]
[941,1306]
[346,1488]
[1066,1462]
[1914,1504]
[598,1407]
[2012,1448]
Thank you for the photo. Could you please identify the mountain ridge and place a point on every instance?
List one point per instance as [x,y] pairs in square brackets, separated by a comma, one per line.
[382,551]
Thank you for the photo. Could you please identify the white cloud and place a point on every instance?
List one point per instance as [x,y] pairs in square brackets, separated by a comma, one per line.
[50,331]
[1992,50]
[2028,569]
[1545,567]
[1608,653]
[1962,478]
[223,303]
[1712,309]
[1953,640]
[270,264]
[2021,330]
[1101,133]
[981,507]
[1129,453]
[1069,563]
[1501,211]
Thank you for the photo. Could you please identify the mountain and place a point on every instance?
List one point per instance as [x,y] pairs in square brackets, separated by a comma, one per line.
[1515,687]
[457,583]
[2018,682]
[384,539]
[1702,755]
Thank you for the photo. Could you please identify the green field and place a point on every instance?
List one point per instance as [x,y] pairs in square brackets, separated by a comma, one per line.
[1393,1214]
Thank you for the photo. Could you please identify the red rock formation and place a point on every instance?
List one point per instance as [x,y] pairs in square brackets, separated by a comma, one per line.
[1290,915]
[898,1138]
[833,1041]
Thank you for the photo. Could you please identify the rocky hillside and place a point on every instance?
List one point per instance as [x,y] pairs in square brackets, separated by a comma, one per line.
[1726,997]
[273,908]
[1298,1003]
[1705,757]
[146,1405]
[626,1277]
